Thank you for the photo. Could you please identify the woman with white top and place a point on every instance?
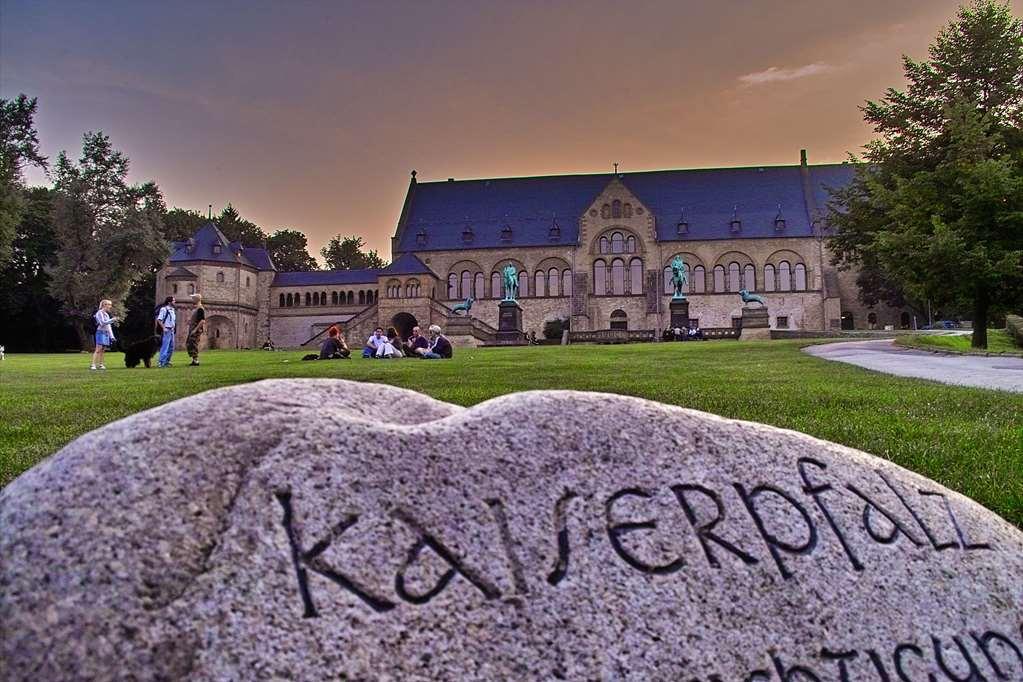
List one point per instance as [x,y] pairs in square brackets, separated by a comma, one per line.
[104,332]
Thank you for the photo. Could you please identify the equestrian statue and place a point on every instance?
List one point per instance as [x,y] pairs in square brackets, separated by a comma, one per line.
[747,297]
[511,282]
[679,278]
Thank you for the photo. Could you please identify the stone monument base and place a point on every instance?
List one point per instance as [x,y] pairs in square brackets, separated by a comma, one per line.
[755,323]
[509,323]
[679,313]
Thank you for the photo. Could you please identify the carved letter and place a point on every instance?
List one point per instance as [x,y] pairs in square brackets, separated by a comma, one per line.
[518,578]
[815,491]
[841,657]
[311,560]
[955,524]
[773,543]
[788,675]
[882,673]
[897,526]
[897,657]
[973,675]
[616,530]
[919,521]
[561,524]
[984,640]
[704,532]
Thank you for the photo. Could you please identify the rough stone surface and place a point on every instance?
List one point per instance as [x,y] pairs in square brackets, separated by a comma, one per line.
[315,529]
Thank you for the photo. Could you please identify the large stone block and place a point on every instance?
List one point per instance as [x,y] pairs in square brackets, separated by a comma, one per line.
[317,529]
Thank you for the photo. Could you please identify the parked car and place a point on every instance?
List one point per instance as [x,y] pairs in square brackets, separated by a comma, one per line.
[943,324]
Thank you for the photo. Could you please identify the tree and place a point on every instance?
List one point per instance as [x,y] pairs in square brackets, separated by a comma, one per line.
[237,229]
[108,232]
[346,253]
[289,252]
[179,224]
[19,146]
[937,212]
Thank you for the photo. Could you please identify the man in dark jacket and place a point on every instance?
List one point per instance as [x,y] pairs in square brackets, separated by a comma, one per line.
[440,347]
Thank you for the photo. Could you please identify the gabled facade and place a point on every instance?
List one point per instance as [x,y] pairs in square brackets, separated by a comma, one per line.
[593,248]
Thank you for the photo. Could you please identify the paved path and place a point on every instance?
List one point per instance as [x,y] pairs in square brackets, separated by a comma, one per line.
[1003,373]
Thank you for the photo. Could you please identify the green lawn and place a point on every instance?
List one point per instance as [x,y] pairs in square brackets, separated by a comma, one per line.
[969,439]
[998,341]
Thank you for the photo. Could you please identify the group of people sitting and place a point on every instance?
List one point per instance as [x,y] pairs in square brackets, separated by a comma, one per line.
[683,334]
[389,345]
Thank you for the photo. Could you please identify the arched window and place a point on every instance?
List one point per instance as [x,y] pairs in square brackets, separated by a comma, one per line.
[599,278]
[394,289]
[496,284]
[351,297]
[362,297]
[627,210]
[630,244]
[669,288]
[733,277]
[618,277]
[566,283]
[539,283]
[333,297]
[466,290]
[523,284]
[289,299]
[635,275]
[452,286]
[799,275]
[316,298]
[478,288]
[605,246]
[308,298]
[769,280]
[719,279]
[281,304]
[553,282]
[220,277]
[605,211]
[749,278]
[619,320]
[784,276]
[191,289]
[698,280]
[323,298]
[617,243]
[616,209]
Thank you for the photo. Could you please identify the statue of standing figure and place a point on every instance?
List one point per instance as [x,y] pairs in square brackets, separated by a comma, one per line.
[511,282]
[679,278]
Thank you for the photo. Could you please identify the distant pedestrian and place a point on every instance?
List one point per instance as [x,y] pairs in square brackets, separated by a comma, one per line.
[166,322]
[104,332]
[196,327]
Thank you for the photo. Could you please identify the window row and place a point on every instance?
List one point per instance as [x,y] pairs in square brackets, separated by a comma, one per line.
[412,289]
[552,282]
[320,298]
[191,289]
[220,279]
[785,277]
[618,279]
[617,243]
[616,209]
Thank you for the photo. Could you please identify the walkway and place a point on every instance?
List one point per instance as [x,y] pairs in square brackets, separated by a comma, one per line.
[1005,374]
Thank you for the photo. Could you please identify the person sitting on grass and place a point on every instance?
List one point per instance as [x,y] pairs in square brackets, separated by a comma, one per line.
[394,341]
[440,347]
[417,344]
[334,347]
[268,345]
[373,343]
[386,348]
[104,332]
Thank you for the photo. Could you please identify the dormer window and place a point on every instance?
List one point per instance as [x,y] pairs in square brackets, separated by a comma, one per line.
[736,224]
[421,238]
[467,235]
[779,221]
[682,227]
[190,245]
[555,232]
[216,249]
[506,233]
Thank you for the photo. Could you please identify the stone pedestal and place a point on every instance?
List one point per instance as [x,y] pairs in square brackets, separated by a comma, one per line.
[755,323]
[679,313]
[509,323]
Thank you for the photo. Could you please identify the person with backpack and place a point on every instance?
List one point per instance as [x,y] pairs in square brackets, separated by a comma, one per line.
[104,332]
[166,322]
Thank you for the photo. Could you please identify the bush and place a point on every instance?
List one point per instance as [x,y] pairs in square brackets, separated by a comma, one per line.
[1014,325]
[553,329]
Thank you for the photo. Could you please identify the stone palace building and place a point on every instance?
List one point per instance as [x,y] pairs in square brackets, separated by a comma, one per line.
[593,248]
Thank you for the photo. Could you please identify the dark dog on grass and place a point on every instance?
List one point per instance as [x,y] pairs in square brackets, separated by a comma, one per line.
[141,351]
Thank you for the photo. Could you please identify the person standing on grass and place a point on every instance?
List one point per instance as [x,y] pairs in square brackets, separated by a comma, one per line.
[196,326]
[166,321]
[104,332]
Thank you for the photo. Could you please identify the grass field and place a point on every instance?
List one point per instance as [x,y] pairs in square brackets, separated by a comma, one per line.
[968,439]
[998,341]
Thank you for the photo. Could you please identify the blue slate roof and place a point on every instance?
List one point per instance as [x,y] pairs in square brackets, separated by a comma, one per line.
[326,277]
[407,264]
[201,247]
[443,210]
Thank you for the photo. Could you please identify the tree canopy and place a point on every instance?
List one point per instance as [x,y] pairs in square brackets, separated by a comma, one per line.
[289,251]
[19,146]
[346,253]
[936,213]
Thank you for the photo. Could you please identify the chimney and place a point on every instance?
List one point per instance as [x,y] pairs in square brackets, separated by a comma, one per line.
[802,158]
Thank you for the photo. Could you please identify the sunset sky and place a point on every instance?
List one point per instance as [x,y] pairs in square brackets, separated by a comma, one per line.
[310,115]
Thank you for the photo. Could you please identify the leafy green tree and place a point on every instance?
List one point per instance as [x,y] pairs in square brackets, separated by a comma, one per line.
[19,146]
[937,212]
[289,251]
[179,224]
[238,229]
[346,253]
[108,232]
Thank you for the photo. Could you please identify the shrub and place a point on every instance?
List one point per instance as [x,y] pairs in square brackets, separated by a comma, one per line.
[553,329]
[1014,325]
